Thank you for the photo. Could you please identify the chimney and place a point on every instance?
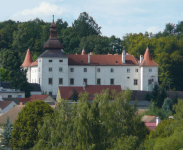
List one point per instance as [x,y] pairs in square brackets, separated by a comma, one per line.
[88,58]
[157,121]
[91,53]
[141,58]
[21,103]
[123,56]
[83,52]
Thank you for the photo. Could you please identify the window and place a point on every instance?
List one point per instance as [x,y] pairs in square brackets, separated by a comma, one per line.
[150,70]
[98,81]
[39,69]
[71,81]
[50,69]
[98,69]
[85,69]
[9,96]
[112,70]
[39,80]
[19,96]
[39,60]
[50,81]
[135,82]
[50,93]
[112,81]
[50,60]
[128,77]
[71,69]
[136,70]
[128,70]
[60,69]
[60,60]
[150,81]
[60,80]
[85,81]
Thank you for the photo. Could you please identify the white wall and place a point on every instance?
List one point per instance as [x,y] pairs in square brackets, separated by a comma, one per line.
[34,74]
[35,93]
[14,94]
[44,74]
[146,75]
[119,75]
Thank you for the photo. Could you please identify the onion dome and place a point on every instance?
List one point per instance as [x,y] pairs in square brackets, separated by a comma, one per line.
[53,42]
[147,61]
[28,60]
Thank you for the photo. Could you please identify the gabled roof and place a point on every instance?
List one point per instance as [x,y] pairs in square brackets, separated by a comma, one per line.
[147,118]
[147,61]
[4,104]
[12,113]
[66,92]
[28,60]
[37,97]
[103,60]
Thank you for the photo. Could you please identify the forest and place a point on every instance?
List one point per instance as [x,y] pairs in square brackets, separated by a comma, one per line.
[166,47]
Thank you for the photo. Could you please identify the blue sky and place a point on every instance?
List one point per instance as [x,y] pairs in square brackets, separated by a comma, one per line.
[116,17]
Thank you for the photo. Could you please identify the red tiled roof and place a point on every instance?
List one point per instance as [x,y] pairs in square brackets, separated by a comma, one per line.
[37,97]
[12,113]
[4,104]
[28,60]
[35,63]
[147,61]
[67,91]
[150,125]
[23,99]
[103,60]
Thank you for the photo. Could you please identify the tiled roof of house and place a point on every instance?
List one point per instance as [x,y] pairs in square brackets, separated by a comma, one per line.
[28,60]
[103,60]
[147,61]
[37,97]
[35,63]
[147,118]
[4,104]
[23,99]
[67,91]
[12,113]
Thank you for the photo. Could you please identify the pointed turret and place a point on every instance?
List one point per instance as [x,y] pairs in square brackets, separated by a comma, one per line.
[28,59]
[147,61]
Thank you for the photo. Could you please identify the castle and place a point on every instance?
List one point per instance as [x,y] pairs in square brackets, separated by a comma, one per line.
[53,68]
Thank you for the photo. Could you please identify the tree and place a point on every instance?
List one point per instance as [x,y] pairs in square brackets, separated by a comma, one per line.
[25,128]
[6,135]
[98,125]
[4,74]
[167,105]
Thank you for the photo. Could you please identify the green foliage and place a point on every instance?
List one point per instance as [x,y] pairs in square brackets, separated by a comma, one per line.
[98,125]
[25,128]
[147,97]
[6,135]
[4,74]
[168,134]
[167,105]
[155,111]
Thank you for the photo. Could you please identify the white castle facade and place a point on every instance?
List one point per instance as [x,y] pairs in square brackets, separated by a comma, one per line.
[53,68]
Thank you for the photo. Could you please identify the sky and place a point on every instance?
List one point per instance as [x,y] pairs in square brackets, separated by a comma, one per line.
[116,17]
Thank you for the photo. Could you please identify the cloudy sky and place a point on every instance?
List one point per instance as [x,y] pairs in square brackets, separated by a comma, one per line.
[116,17]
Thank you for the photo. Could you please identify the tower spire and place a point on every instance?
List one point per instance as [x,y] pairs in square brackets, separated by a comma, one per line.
[53,18]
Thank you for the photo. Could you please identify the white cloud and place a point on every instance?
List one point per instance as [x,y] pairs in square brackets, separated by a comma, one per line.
[44,9]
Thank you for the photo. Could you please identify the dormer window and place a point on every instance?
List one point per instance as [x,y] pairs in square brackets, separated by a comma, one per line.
[116,61]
